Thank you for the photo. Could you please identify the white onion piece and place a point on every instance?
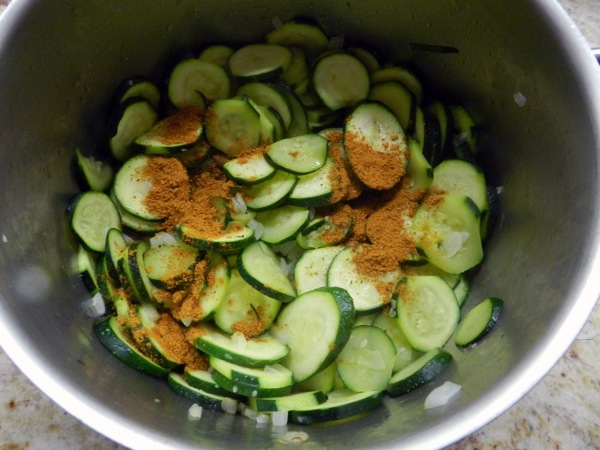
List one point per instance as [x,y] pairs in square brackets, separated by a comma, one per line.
[279,418]
[94,307]
[229,405]
[162,238]
[195,412]
[520,99]
[442,395]
[239,205]
[257,227]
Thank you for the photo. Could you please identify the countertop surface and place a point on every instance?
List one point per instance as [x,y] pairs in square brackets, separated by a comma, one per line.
[561,412]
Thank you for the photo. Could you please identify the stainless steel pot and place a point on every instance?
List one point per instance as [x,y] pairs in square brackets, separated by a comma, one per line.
[59,61]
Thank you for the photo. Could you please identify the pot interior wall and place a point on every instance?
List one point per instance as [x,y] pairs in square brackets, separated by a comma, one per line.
[59,66]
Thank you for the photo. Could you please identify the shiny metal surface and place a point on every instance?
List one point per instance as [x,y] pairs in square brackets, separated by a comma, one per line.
[59,61]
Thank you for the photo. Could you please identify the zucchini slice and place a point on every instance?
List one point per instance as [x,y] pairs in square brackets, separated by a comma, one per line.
[300,400]
[98,175]
[315,327]
[311,269]
[428,312]
[132,118]
[245,309]
[260,61]
[341,404]
[236,348]
[138,86]
[259,266]
[340,80]
[298,33]
[203,380]
[298,155]
[249,169]
[112,336]
[479,321]
[92,214]
[272,192]
[447,232]
[270,381]
[205,399]
[420,372]
[115,248]
[399,100]
[86,268]
[181,129]
[234,238]
[364,289]
[192,82]
[267,95]
[376,145]
[282,224]
[232,125]
[367,360]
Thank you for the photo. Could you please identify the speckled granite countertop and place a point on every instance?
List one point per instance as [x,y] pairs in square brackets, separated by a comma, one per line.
[561,412]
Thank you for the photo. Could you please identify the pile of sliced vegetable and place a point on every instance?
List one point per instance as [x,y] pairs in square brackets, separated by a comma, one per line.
[282,322]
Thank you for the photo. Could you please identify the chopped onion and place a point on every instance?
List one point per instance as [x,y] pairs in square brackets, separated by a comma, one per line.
[257,227]
[262,418]
[186,321]
[279,418]
[250,413]
[163,238]
[195,412]
[459,139]
[520,99]
[4,238]
[239,339]
[94,307]
[442,394]
[229,405]
[239,205]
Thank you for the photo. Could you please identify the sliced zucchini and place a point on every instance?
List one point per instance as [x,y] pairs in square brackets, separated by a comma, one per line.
[323,380]
[420,372]
[310,271]
[138,86]
[282,224]
[245,309]
[325,231]
[461,290]
[367,360]
[134,222]
[86,268]
[114,249]
[299,124]
[267,95]
[98,175]
[479,321]
[91,215]
[217,54]
[315,327]
[465,127]
[133,184]
[300,400]
[259,266]
[401,75]
[340,80]
[270,381]
[341,404]
[405,353]
[250,169]
[461,177]
[204,399]
[232,125]
[427,311]
[298,155]
[216,284]
[272,192]
[368,55]
[446,122]
[130,119]
[132,265]
[419,169]
[203,380]
[181,129]
[234,238]
[260,61]
[170,265]
[237,349]
[307,36]
[193,82]
[316,189]
[447,232]
[112,336]
[297,73]
[376,145]
[399,100]
[428,133]
[366,290]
